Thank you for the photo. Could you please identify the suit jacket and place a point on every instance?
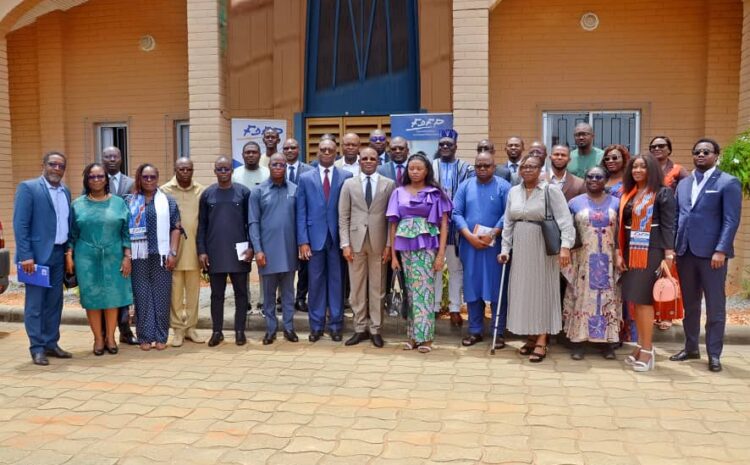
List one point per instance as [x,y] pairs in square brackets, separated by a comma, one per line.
[710,225]
[35,221]
[126,185]
[573,187]
[303,168]
[317,218]
[502,171]
[356,220]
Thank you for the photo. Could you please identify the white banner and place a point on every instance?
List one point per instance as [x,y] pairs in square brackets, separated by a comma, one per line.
[245,130]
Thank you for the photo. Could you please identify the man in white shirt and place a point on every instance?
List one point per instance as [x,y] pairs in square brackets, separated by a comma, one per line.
[350,146]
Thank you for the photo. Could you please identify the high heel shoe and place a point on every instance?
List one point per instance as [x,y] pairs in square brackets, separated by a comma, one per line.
[111,350]
[632,358]
[640,366]
[97,351]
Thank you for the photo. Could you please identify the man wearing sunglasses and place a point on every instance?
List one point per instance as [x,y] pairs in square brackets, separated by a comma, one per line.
[709,203]
[379,142]
[450,172]
[41,221]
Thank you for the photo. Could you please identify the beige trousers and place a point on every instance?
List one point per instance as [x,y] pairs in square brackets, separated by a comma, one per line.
[186,287]
[366,276]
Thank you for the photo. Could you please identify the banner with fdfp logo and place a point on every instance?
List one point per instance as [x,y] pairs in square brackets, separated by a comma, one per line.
[245,130]
[422,130]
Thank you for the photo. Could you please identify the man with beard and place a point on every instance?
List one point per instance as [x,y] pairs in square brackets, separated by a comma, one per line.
[450,172]
[571,185]
[585,155]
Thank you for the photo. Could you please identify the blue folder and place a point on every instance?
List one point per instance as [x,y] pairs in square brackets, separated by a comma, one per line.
[40,276]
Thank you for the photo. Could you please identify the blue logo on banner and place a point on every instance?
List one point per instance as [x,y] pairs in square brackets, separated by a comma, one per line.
[420,126]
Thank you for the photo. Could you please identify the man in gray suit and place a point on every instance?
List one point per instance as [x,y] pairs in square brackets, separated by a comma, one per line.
[120,184]
[364,242]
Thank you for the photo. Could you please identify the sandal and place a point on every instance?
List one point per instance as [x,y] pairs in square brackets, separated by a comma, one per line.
[160,346]
[632,358]
[650,364]
[424,349]
[664,325]
[145,346]
[528,348]
[410,345]
[536,357]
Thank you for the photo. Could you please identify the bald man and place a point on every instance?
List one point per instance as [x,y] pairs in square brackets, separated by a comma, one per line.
[585,155]
[350,146]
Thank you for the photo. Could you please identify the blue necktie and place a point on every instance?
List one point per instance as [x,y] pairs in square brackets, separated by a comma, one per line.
[699,176]
[291,173]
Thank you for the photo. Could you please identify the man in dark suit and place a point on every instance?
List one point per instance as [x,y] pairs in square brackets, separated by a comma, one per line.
[318,239]
[379,142]
[395,168]
[41,222]
[120,184]
[709,206]
[294,169]
[571,185]
[514,149]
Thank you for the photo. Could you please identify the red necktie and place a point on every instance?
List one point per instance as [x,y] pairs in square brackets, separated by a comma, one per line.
[326,185]
[399,175]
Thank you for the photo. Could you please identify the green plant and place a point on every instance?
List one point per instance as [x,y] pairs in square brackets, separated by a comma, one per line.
[735,160]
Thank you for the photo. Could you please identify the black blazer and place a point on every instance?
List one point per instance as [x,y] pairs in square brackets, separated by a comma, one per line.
[662,220]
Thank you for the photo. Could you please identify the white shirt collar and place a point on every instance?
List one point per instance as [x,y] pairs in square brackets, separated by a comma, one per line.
[706,174]
[373,177]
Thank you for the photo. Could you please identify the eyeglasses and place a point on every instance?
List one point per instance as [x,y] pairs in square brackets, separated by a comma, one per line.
[657,146]
[612,158]
[397,148]
[446,144]
[702,152]
[290,147]
[482,166]
[535,152]
[594,177]
[96,177]
[149,177]
[222,169]
[185,170]
[56,166]
[582,134]
[278,165]
[529,167]
[377,139]
[483,148]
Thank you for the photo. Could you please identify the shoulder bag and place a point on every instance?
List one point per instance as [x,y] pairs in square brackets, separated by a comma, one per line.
[666,288]
[550,229]
[397,301]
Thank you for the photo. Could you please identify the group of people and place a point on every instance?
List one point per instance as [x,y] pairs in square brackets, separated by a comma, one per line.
[347,224]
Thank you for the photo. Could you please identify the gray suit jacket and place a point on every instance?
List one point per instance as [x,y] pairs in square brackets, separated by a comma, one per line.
[356,220]
[126,185]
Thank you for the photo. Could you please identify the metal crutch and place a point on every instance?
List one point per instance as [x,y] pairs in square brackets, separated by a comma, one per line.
[499,306]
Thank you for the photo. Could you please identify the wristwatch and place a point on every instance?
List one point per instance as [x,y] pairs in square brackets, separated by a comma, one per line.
[669,257]
[173,253]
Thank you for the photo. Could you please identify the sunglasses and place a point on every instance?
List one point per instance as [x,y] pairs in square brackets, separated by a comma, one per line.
[377,139]
[96,177]
[483,166]
[446,144]
[702,152]
[290,147]
[657,146]
[582,134]
[612,158]
[594,177]
[222,169]
[278,165]
[149,177]
[483,148]
[185,170]
[56,166]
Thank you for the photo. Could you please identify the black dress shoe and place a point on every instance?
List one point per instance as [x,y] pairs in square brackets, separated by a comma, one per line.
[377,340]
[39,359]
[472,339]
[356,338]
[301,305]
[239,338]
[683,355]
[58,353]
[291,336]
[714,364]
[215,339]
[127,336]
[315,336]
[269,338]
[336,336]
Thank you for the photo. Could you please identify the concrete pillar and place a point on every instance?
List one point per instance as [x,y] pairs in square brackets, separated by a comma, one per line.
[7,187]
[51,78]
[470,74]
[209,121]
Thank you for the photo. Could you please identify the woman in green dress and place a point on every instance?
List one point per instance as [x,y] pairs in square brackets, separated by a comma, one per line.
[99,255]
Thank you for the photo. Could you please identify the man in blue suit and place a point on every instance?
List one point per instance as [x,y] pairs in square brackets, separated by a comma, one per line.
[41,221]
[318,239]
[708,215]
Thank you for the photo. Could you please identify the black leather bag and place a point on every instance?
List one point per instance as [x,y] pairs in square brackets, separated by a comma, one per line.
[70,281]
[397,301]
[550,229]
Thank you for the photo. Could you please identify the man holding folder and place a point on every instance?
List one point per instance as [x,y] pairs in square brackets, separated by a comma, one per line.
[41,221]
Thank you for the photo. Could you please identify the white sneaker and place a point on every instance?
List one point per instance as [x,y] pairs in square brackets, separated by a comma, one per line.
[193,335]
[179,337]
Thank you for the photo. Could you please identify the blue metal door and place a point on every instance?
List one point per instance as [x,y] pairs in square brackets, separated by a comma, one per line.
[362,57]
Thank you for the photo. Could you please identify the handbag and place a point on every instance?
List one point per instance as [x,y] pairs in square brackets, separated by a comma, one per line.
[550,229]
[666,288]
[397,302]
[70,280]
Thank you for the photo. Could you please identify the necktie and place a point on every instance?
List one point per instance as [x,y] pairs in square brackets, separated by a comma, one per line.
[699,176]
[368,192]
[113,184]
[291,173]
[399,175]
[514,168]
[326,184]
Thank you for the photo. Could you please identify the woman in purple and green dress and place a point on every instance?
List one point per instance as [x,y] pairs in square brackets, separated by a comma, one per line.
[418,213]
[592,308]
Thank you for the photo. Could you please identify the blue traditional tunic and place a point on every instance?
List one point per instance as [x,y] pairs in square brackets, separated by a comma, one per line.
[484,204]
[273,226]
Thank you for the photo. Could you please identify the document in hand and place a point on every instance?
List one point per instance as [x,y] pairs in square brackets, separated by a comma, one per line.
[40,276]
[480,230]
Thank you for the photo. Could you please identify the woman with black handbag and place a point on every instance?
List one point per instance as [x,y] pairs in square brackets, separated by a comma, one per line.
[538,229]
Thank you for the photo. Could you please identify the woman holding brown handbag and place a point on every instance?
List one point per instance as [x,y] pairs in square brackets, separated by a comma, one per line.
[646,238]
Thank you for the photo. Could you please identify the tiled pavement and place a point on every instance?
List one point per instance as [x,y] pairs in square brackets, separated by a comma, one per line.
[326,403]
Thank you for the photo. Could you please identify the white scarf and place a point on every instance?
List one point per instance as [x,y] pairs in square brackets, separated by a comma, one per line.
[140,248]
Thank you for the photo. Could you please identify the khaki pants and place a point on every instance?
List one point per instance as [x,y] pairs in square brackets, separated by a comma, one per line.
[455,281]
[186,288]
[366,275]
